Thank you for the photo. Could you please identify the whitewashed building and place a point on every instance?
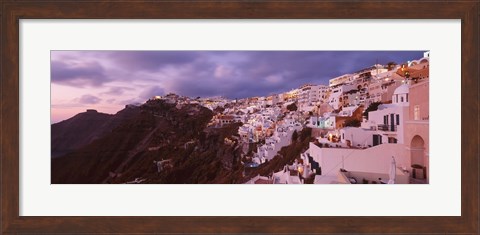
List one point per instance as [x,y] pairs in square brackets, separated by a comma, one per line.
[389,119]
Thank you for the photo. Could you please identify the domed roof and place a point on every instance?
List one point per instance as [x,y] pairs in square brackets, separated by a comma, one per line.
[403,89]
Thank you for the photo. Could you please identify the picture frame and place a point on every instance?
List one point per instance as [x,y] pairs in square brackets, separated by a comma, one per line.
[13,11]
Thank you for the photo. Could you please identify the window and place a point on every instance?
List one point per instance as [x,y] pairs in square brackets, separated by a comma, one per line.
[398,119]
[392,140]
[385,120]
[401,99]
[407,98]
[416,112]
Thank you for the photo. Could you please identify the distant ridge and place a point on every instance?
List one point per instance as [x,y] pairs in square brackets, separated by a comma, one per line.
[83,128]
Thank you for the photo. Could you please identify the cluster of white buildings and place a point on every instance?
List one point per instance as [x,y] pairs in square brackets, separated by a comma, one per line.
[390,146]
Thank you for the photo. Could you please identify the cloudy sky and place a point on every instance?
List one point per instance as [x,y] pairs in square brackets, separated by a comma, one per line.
[108,80]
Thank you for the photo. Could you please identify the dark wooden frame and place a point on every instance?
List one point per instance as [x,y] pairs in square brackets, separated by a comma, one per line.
[12,11]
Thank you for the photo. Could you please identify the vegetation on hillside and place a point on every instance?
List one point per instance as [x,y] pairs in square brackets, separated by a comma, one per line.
[352,122]
[286,156]
[371,107]
[292,107]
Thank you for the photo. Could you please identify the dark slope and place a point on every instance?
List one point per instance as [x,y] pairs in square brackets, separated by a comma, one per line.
[158,131]
[84,128]
[77,131]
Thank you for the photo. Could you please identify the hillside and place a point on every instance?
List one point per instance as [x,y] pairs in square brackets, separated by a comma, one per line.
[84,128]
[77,131]
[157,131]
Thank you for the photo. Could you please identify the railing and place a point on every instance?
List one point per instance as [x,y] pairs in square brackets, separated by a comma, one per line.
[383,127]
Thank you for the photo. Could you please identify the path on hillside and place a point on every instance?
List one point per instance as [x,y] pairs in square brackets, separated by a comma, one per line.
[142,145]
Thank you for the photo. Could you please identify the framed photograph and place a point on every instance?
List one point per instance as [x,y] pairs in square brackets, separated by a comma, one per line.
[197,117]
[239,117]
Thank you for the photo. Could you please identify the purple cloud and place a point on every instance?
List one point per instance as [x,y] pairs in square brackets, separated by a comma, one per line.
[116,91]
[82,74]
[151,60]
[234,74]
[88,99]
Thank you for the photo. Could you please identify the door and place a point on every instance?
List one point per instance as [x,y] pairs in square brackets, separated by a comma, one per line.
[392,123]
[377,139]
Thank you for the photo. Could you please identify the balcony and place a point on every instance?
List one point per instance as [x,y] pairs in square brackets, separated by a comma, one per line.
[383,127]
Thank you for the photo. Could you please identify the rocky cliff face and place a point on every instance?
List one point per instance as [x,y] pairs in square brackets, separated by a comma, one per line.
[123,147]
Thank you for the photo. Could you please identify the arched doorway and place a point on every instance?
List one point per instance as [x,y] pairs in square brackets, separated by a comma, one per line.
[417,150]
[417,157]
